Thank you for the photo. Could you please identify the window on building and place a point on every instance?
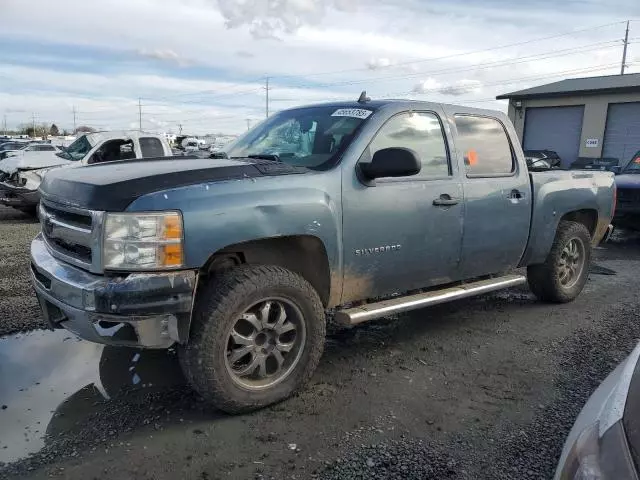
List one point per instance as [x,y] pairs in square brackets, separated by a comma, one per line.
[422,133]
[485,145]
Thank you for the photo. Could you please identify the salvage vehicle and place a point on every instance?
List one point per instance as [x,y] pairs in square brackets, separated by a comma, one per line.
[27,149]
[20,175]
[604,442]
[628,184]
[356,210]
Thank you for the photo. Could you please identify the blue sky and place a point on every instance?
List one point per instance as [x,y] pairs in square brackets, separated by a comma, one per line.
[203,63]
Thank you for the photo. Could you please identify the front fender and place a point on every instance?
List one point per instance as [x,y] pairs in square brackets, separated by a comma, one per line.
[219,214]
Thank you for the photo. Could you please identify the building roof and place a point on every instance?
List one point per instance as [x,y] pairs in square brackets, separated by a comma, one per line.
[581,86]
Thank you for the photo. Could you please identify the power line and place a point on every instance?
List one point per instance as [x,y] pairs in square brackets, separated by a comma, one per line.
[471,52]
[410,62]
[478,66]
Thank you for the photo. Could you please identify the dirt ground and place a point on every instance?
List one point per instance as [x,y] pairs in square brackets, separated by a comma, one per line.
[481,388]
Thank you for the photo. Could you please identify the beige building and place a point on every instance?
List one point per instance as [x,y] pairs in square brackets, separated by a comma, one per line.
[596,117]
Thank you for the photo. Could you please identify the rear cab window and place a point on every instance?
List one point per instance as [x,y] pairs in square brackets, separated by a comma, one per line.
[151,147]
[485,145]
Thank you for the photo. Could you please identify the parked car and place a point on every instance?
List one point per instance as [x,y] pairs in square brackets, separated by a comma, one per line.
[11,145]
[604,442]
[190,145]
[367,209]
[542,159]
[22,149]
[20,175]
[628,188]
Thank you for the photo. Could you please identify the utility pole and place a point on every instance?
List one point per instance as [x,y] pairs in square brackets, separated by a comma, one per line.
[74,120]
[267,103]
[180,127]
[140,113]
[624,50]
[248,124]
[5,124]
[33,118]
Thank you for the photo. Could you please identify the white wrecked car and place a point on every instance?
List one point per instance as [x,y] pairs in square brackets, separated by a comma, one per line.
[20,175]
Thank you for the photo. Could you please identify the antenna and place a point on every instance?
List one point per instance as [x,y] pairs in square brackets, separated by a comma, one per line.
[363,97]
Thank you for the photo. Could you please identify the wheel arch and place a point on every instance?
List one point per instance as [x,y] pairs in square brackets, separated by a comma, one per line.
[587,217]
[305,255]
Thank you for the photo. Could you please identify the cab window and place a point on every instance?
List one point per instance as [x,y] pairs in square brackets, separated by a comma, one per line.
[421,132]
[485,146]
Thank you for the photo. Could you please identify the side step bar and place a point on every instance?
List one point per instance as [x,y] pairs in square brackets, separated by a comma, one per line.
[371,311]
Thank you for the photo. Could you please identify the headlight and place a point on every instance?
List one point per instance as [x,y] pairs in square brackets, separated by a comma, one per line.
[143,241]
[583,463]
[31,179]
[599,458]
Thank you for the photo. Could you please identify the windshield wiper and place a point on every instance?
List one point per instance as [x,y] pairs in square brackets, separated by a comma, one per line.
[265,156]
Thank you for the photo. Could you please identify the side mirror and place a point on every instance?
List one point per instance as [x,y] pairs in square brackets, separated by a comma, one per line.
[616,169]
[391,162]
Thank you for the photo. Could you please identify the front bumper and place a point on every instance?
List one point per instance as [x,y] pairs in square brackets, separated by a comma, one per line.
[150,310]
[13,196]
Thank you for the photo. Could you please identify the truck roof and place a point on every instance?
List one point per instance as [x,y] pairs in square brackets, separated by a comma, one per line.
[133,134]
[398,103]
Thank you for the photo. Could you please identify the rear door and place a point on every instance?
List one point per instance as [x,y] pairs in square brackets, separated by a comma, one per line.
[497,195]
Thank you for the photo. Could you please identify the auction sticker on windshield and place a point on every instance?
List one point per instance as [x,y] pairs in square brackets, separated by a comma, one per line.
[352,112]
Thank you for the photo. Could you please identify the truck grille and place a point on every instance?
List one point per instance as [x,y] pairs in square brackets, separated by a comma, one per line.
[71,234]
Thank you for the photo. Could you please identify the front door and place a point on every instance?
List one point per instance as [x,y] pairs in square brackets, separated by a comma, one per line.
[403,233]
[497,197]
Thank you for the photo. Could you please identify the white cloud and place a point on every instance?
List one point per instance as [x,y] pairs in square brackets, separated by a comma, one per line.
[269,19]
[426,86]
[166,55]
[461,87]
[378,63]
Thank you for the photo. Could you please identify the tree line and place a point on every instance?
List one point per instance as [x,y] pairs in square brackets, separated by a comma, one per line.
[44,130]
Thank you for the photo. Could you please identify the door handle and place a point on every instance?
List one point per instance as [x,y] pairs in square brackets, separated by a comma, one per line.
[445,200]
[515,195]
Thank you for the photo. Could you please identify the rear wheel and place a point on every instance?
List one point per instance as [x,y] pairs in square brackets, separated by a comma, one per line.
[257,336]
[564,273]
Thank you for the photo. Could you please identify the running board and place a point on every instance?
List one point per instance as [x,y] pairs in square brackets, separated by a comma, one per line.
[371,311]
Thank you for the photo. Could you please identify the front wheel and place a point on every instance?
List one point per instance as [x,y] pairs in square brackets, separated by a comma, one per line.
[562,276]
[257,336]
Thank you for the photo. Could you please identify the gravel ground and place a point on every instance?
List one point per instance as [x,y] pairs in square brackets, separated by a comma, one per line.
[482,388]
[19,310]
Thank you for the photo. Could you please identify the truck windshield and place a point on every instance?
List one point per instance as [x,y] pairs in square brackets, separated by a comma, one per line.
[310,137]
[77,150]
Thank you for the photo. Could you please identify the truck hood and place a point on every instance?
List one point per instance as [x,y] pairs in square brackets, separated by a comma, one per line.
[113,186]
[629,180]
[31,161]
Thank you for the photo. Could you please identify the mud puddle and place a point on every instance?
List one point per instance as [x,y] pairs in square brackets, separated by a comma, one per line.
[52,382]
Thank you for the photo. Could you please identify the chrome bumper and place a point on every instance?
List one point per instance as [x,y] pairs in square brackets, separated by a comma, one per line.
[150,310]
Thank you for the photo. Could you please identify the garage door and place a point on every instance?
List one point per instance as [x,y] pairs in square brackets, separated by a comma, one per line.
[622,134]
[554,128]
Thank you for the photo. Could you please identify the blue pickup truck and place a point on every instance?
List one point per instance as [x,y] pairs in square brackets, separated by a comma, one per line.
[358,210]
